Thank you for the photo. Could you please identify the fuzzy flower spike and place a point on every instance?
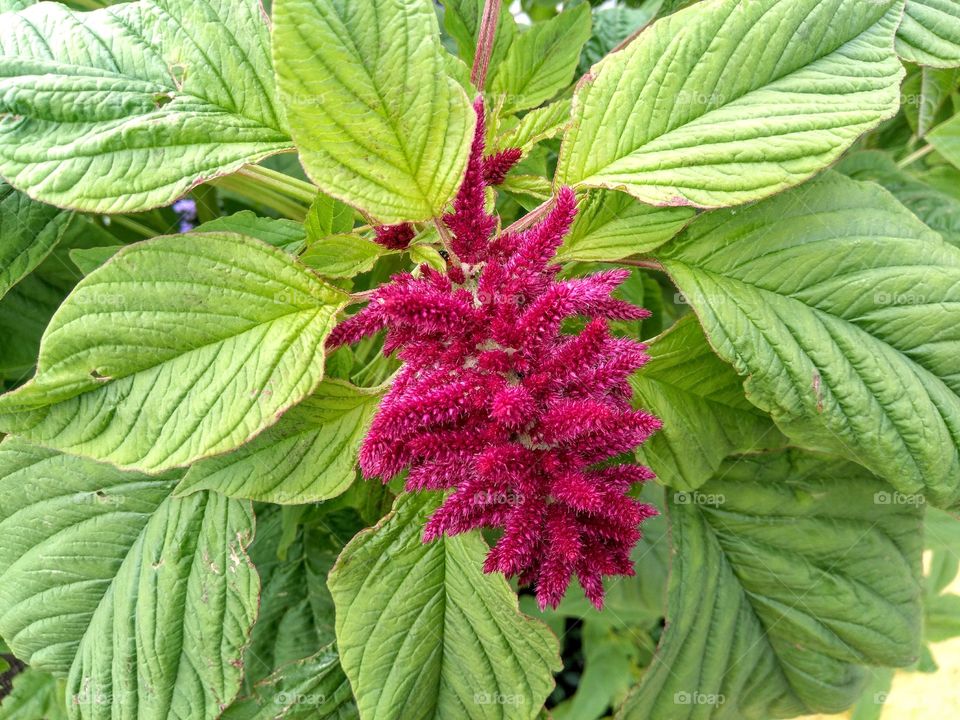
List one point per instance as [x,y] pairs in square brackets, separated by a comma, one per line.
[497,404]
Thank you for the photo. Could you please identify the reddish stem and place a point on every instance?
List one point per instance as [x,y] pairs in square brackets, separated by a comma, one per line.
[488,30]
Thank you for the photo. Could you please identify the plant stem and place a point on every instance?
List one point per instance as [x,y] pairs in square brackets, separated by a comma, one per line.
[283,184]
[246,187]
[640,263]
[485,39]
[133,225]
[913,157]
[532,217]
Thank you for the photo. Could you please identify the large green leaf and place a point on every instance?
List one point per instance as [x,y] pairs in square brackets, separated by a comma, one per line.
[541,61]
[309,456]
[930,33]
[789,574]
[28,232]
[842,310]
[612,225]
[461,19]
[147,601]
[611,26]
[423,633]
[127,107]
[178,348]
[378,122]
[700,400]
[676,118]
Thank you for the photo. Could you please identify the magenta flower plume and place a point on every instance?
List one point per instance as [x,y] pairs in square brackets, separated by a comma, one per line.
[496,403]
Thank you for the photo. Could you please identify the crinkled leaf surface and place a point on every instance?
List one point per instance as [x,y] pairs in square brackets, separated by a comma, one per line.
[310,455]
[788,575]
[127,107]
[378,122]
[28,232]
[145,601]
[423,633]
[842,310]
[700,400]
[728,101]
[178,348]
[930,33]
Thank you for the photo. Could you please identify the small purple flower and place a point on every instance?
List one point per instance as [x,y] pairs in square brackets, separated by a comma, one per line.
[497,404]
[186,208]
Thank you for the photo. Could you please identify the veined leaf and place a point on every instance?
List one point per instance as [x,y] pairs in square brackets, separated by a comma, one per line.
[700,400]
[342,255]
[327,216]
[378,122]
[789,574]
[930,33]
[28,232]
[101,569]
[674,119]
[279,232]
[309,456]
[537,125]
[541,60]
[612,225]
[936,86]
[124,378]
[842,310]
[126,108]
[611,26]
[474,647]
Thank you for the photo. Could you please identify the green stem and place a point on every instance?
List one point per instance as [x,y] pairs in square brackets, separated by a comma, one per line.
[259,194]
[133,225]
[283,184]
[913,157]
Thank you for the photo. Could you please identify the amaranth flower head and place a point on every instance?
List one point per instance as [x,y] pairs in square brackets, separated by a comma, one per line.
[496,403]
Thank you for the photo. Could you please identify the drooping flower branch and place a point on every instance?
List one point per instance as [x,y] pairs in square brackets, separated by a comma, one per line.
[495,402]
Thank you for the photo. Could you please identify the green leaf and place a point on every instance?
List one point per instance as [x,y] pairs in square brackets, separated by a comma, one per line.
[342,255]
[100,569]
[327,216]
[309,456]
[674,119]
[424,633]
[946,139]
[700,400]
[124,378]
[611,26]
[36,695]
[930,33]
[787,577]
[314,688]
[390,134]
[28,232]
[840,308]
[89,259]
[128,107]
[942,618]
[612,225]
[536,126]
[936,86]
[281,233]
[541,60]
[939,211]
